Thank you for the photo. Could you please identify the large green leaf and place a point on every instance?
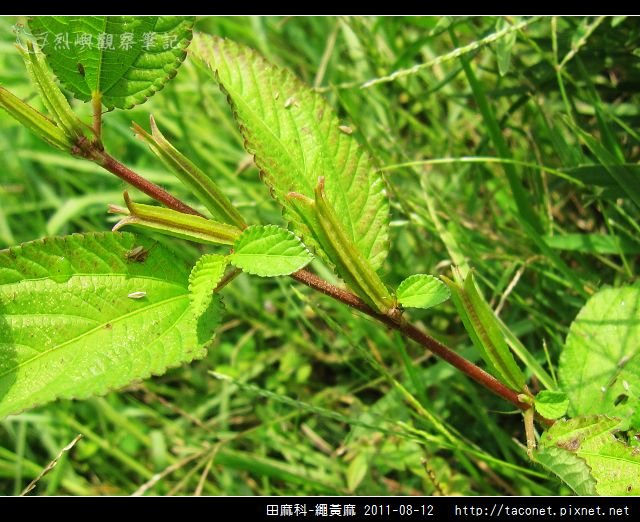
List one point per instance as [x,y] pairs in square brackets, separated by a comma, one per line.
[600,364]
[613,465]
[269,251]
[84,314]
[295,138]
[125,59]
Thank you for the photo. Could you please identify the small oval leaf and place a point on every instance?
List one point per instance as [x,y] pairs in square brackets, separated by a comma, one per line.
[269,251]
[357,471]
[422,291]
[551,404]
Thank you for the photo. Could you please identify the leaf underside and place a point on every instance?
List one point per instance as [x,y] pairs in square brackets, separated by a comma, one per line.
[203,280]
[569,468]
[124,58]
[295,138]
[69,328]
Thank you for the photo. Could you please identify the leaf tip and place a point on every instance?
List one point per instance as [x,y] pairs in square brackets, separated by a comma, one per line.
[115,209]
[153,125]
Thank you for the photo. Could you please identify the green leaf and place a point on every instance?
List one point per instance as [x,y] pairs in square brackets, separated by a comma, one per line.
[617,20]
[269,251]
[552,404]
[634,421]
[69,328]
[357,471]
[569,468]
[486,332]
[296,137]
[623,176]
[594,244]
[123,59]
[614,465]
[203,280]
[600,364]
[422,291]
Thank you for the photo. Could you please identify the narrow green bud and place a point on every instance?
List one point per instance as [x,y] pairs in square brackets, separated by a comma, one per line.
[351,265]
[35,121]
[363,277]
[485,332]
[177,224]
[201,185]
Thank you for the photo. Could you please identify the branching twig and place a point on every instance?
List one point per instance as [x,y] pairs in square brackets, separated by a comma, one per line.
[313,281]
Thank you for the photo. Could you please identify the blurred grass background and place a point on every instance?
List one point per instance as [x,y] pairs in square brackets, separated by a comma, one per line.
[518,159]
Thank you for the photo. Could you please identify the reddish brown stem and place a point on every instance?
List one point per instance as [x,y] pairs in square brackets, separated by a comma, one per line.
[408,330]
[115,167]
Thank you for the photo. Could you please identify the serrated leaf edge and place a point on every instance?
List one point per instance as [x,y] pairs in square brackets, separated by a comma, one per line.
[251,229]
[409,280]
[306,235]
